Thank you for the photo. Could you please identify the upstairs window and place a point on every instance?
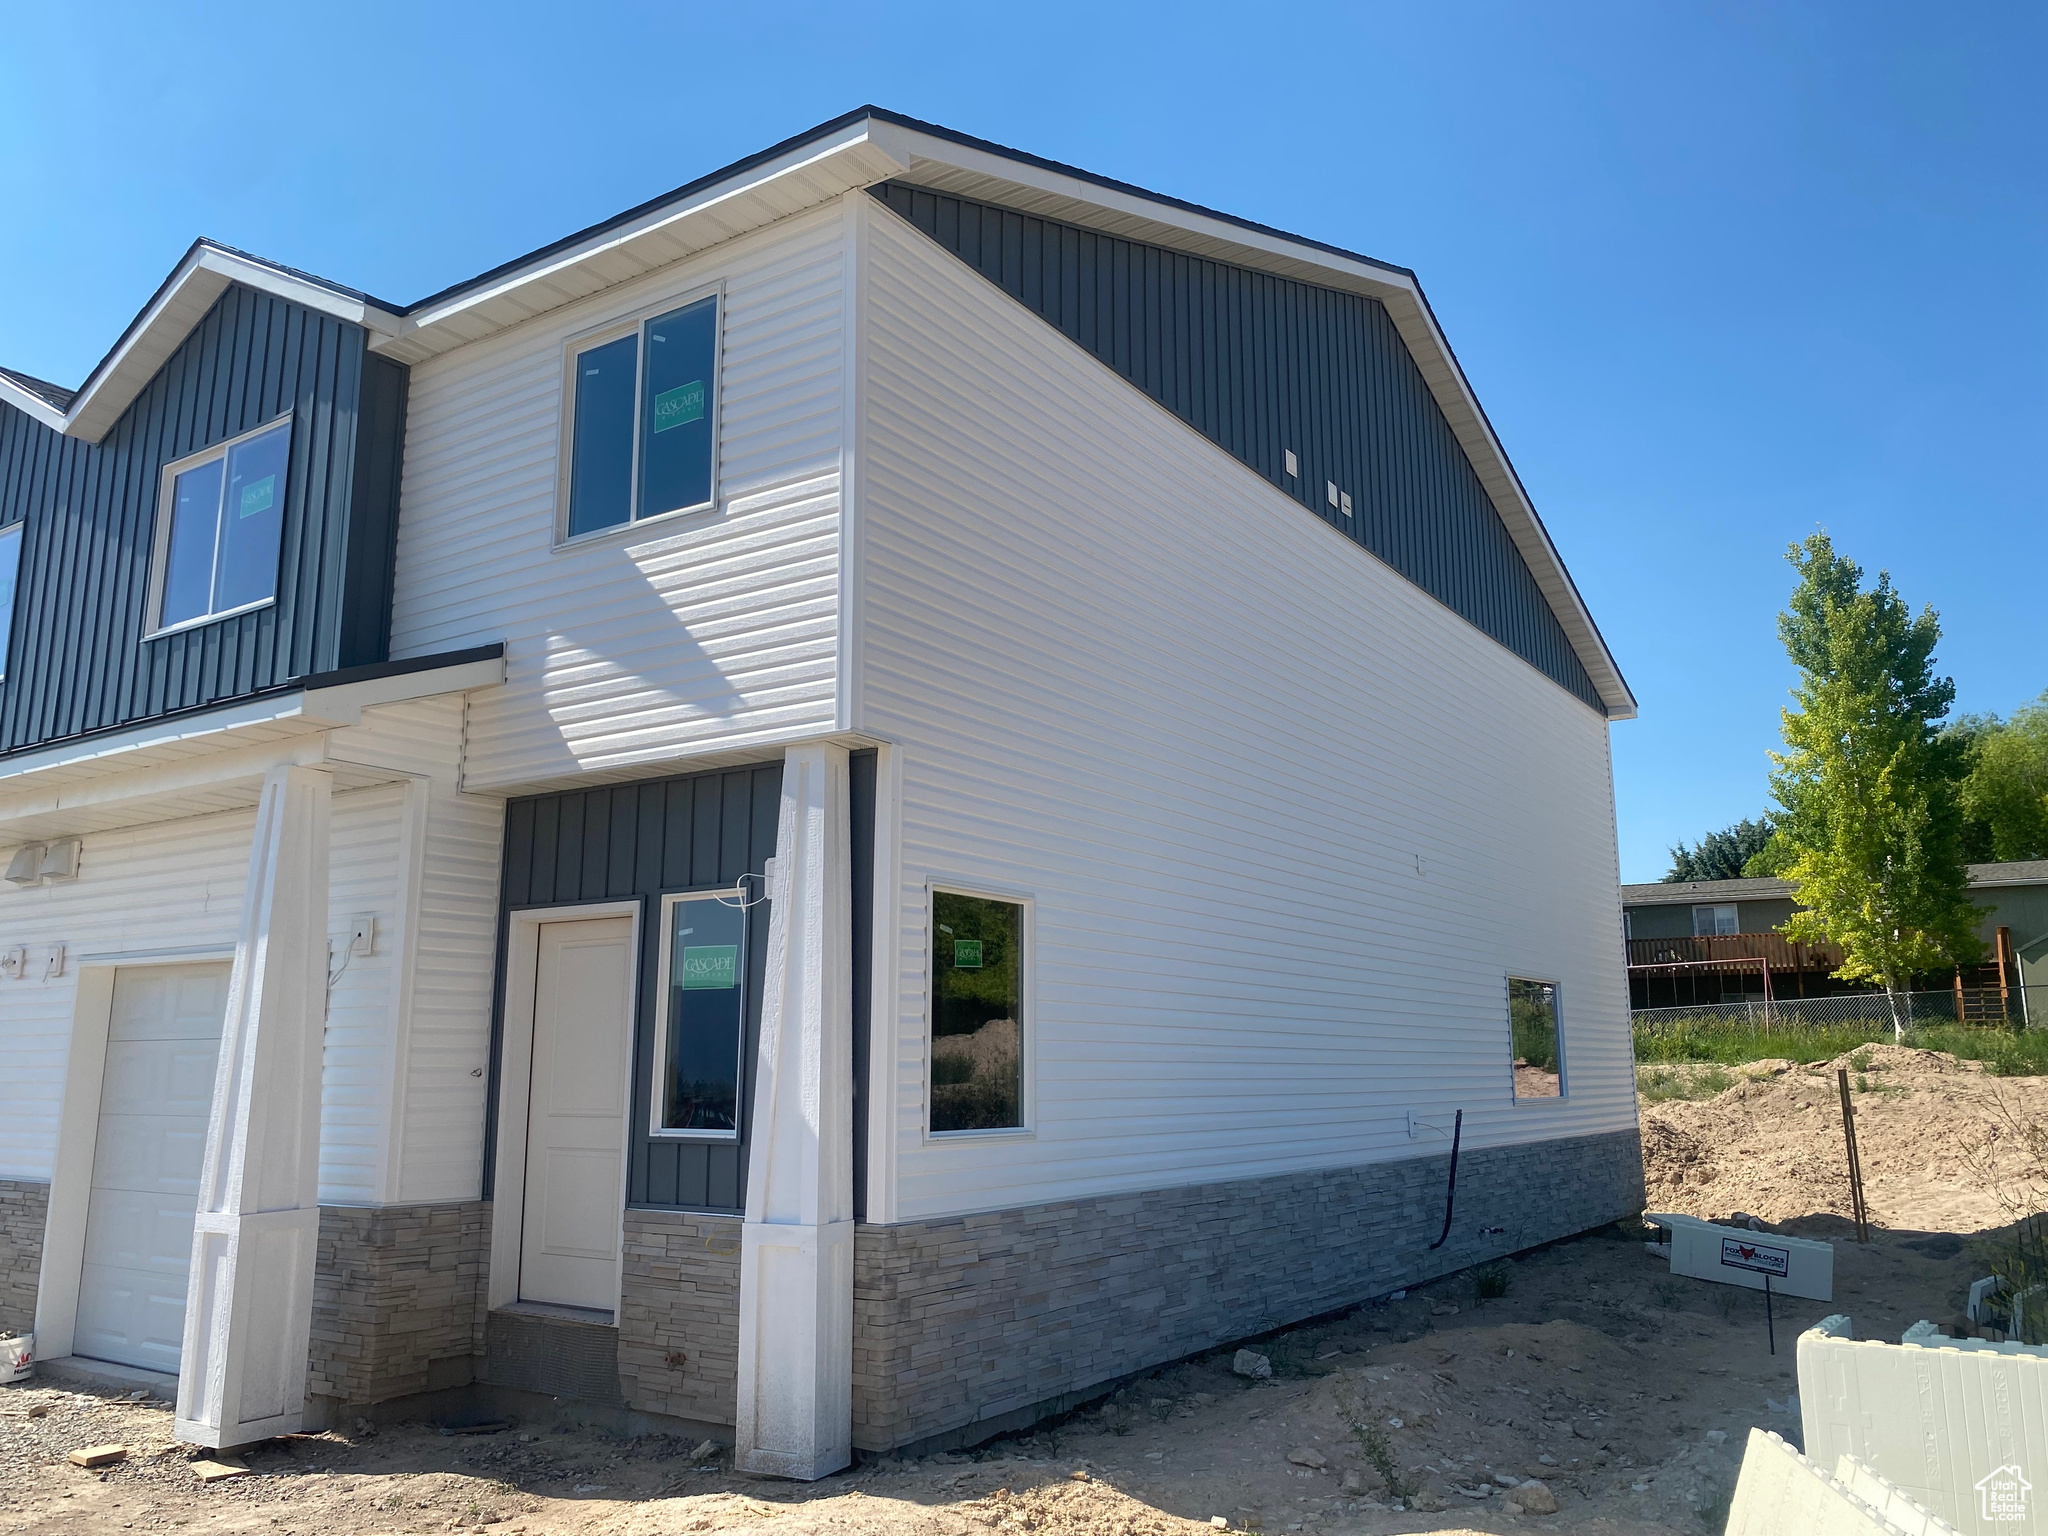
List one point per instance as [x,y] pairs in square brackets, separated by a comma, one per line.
[643,438]
[220,523]
[10,571]
[1715,921]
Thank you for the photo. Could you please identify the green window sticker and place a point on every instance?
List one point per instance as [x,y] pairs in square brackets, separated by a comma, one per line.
[967,954]
[710,967]
[258,495]
[680,406]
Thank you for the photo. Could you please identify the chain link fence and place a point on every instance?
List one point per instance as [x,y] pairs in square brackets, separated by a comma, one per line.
[1863,1009]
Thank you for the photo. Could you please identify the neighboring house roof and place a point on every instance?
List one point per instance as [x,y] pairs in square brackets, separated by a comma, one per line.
[1703,892]
[54,394]
[1706,892]
[862,148]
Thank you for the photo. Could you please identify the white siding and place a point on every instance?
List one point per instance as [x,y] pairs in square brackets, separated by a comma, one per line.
[1287,821]
[707,634]
[178,886]
[444,931]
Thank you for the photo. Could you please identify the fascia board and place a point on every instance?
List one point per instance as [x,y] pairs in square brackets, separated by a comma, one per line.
[296,711]
[841,161]
[31,405]
[168,319]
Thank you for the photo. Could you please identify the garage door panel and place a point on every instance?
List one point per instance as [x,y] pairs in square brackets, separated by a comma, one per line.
[159,1077]
[159,1006]
[131,1316]
[155,1098]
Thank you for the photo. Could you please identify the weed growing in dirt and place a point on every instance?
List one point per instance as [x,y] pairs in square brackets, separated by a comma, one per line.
[1659,1085]
[1491,1281]
[1725,1302]
[1860,1062]
[1667,1294]
[1733,1041]
[1357,1414]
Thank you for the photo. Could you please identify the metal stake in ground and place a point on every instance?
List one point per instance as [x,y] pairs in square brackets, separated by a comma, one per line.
[1855,1163]
[1766,1259]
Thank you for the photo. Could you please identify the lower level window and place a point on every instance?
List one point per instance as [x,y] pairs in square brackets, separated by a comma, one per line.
[1532,1016]
[703,1022]
[977,1013]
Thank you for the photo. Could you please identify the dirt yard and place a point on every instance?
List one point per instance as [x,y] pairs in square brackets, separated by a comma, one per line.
[1625,1392]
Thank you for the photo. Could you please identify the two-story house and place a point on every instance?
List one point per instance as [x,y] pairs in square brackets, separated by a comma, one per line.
[835,812]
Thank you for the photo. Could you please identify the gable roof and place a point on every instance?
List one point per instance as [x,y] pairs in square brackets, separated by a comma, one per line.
[860,149]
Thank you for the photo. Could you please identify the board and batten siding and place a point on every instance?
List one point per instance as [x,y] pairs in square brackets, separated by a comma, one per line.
[711,633]
[177,886]
[1288,822]
[1261,365]
[77,660]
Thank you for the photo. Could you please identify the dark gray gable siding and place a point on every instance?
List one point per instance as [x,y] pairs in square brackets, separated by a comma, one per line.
[1260,364]
[77,660]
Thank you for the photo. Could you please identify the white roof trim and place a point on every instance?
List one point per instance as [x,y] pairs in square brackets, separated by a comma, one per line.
[296,711]
[168,319]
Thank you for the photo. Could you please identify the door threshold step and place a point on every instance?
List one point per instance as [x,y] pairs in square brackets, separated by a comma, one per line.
[596,1317]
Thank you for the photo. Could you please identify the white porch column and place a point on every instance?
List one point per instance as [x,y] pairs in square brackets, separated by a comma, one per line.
[796,1248]
[249,1304]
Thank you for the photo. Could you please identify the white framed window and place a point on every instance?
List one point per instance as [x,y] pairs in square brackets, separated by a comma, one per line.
[1537,1038]
[700,1026]
[219,528]
[978,1082]
[1715,921]
[10,578]
[640,418]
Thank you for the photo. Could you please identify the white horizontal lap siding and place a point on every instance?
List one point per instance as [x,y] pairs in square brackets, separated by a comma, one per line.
[1211,738]
[702,634]
[176,887]
[363,861]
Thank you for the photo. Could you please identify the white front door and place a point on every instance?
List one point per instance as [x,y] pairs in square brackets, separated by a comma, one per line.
[162,1043]
[576,1116]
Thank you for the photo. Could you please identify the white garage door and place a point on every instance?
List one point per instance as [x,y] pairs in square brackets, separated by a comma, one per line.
[162,1043]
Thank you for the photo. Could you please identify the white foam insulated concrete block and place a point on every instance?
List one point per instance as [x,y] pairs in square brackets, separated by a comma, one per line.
[1960,1431]
[1781,1493]
[1705,1250]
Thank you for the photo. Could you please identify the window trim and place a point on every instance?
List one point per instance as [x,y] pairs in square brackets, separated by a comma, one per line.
[1027,1048]
[565,433]
[664,904]
[17,531]
[166,504]
[1507,992]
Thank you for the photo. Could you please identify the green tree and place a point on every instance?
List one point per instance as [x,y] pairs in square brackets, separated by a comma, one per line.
[2005,795]
[1720,855]
[1870,832]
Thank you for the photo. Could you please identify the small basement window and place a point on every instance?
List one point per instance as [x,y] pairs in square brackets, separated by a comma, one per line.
[1532,1023]
[977,1061]
[643,424]
[220,524]
[702,1027]
[10,575]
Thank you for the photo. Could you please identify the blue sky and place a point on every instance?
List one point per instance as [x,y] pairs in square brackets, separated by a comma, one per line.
[1721,274]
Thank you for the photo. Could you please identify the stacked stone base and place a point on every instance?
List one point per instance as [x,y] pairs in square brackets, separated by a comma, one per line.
[398,1300]
[24,1212]
[963,1328]
[970,1326]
